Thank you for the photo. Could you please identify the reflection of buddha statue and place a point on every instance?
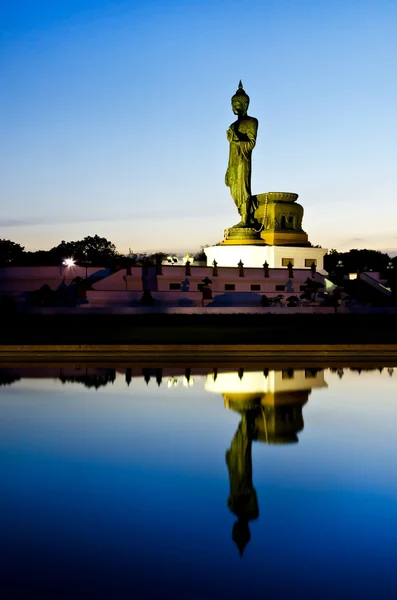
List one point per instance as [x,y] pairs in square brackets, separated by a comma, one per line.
[270,404]
[279,420]
[276,417]
[242,500]
[273,399]
[242,138]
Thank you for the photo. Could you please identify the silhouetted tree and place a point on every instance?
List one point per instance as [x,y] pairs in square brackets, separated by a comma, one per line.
[98,250]
[355,260]
[92,249]
[200,256]
[10,253]
[292,301]
[311,289]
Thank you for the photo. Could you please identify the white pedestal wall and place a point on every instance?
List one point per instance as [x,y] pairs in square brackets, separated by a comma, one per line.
[256,256]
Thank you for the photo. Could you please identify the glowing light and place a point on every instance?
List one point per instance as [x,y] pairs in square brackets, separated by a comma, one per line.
[68,262]
[188,259]
[172,260]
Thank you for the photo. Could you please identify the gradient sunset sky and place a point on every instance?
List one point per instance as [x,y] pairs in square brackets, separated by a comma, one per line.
[113,117]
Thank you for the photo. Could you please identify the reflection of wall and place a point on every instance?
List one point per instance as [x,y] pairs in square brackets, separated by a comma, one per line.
[260,382]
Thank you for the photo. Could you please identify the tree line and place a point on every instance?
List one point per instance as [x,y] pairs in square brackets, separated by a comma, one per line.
[92,250]
[98,251]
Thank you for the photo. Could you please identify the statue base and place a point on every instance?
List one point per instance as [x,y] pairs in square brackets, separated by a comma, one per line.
[277,240]
[285,238]
[242,235]
[281,219]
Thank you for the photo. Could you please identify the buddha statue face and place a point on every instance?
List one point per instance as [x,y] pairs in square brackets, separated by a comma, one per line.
[239,106]
[240,101]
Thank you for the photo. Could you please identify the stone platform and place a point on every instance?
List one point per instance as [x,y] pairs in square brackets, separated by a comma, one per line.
[276,239]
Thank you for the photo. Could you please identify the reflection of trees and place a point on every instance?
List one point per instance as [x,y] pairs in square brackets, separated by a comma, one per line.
[339,371]
[8,379]
[95,380]
[360,370]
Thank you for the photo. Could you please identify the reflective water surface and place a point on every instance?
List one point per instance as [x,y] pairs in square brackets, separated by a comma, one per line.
[191,483]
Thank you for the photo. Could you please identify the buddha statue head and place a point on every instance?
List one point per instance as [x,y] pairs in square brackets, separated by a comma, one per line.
[240,101]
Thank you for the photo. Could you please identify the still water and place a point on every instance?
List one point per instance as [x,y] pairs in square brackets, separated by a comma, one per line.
[198,483]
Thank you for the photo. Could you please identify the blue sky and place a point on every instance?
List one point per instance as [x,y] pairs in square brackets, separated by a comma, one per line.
[113,117]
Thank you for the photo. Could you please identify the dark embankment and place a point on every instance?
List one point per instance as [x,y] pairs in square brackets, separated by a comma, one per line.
[17,329]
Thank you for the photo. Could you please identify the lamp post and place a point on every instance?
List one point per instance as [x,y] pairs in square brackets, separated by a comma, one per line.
[85,264]
[390,272]
[339,270]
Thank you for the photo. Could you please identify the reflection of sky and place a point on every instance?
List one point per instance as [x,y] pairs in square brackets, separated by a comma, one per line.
[137,416]
[125,489]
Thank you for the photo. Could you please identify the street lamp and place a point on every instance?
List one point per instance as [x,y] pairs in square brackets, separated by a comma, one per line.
[390,273]
[339,269]
[68,262]
[85,264]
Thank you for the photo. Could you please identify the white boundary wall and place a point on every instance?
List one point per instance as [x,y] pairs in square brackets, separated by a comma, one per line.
[255,256]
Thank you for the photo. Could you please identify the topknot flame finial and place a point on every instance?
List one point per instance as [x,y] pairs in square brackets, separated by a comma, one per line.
[241,94]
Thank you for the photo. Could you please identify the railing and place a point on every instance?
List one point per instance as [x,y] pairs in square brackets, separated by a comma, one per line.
[375,283]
